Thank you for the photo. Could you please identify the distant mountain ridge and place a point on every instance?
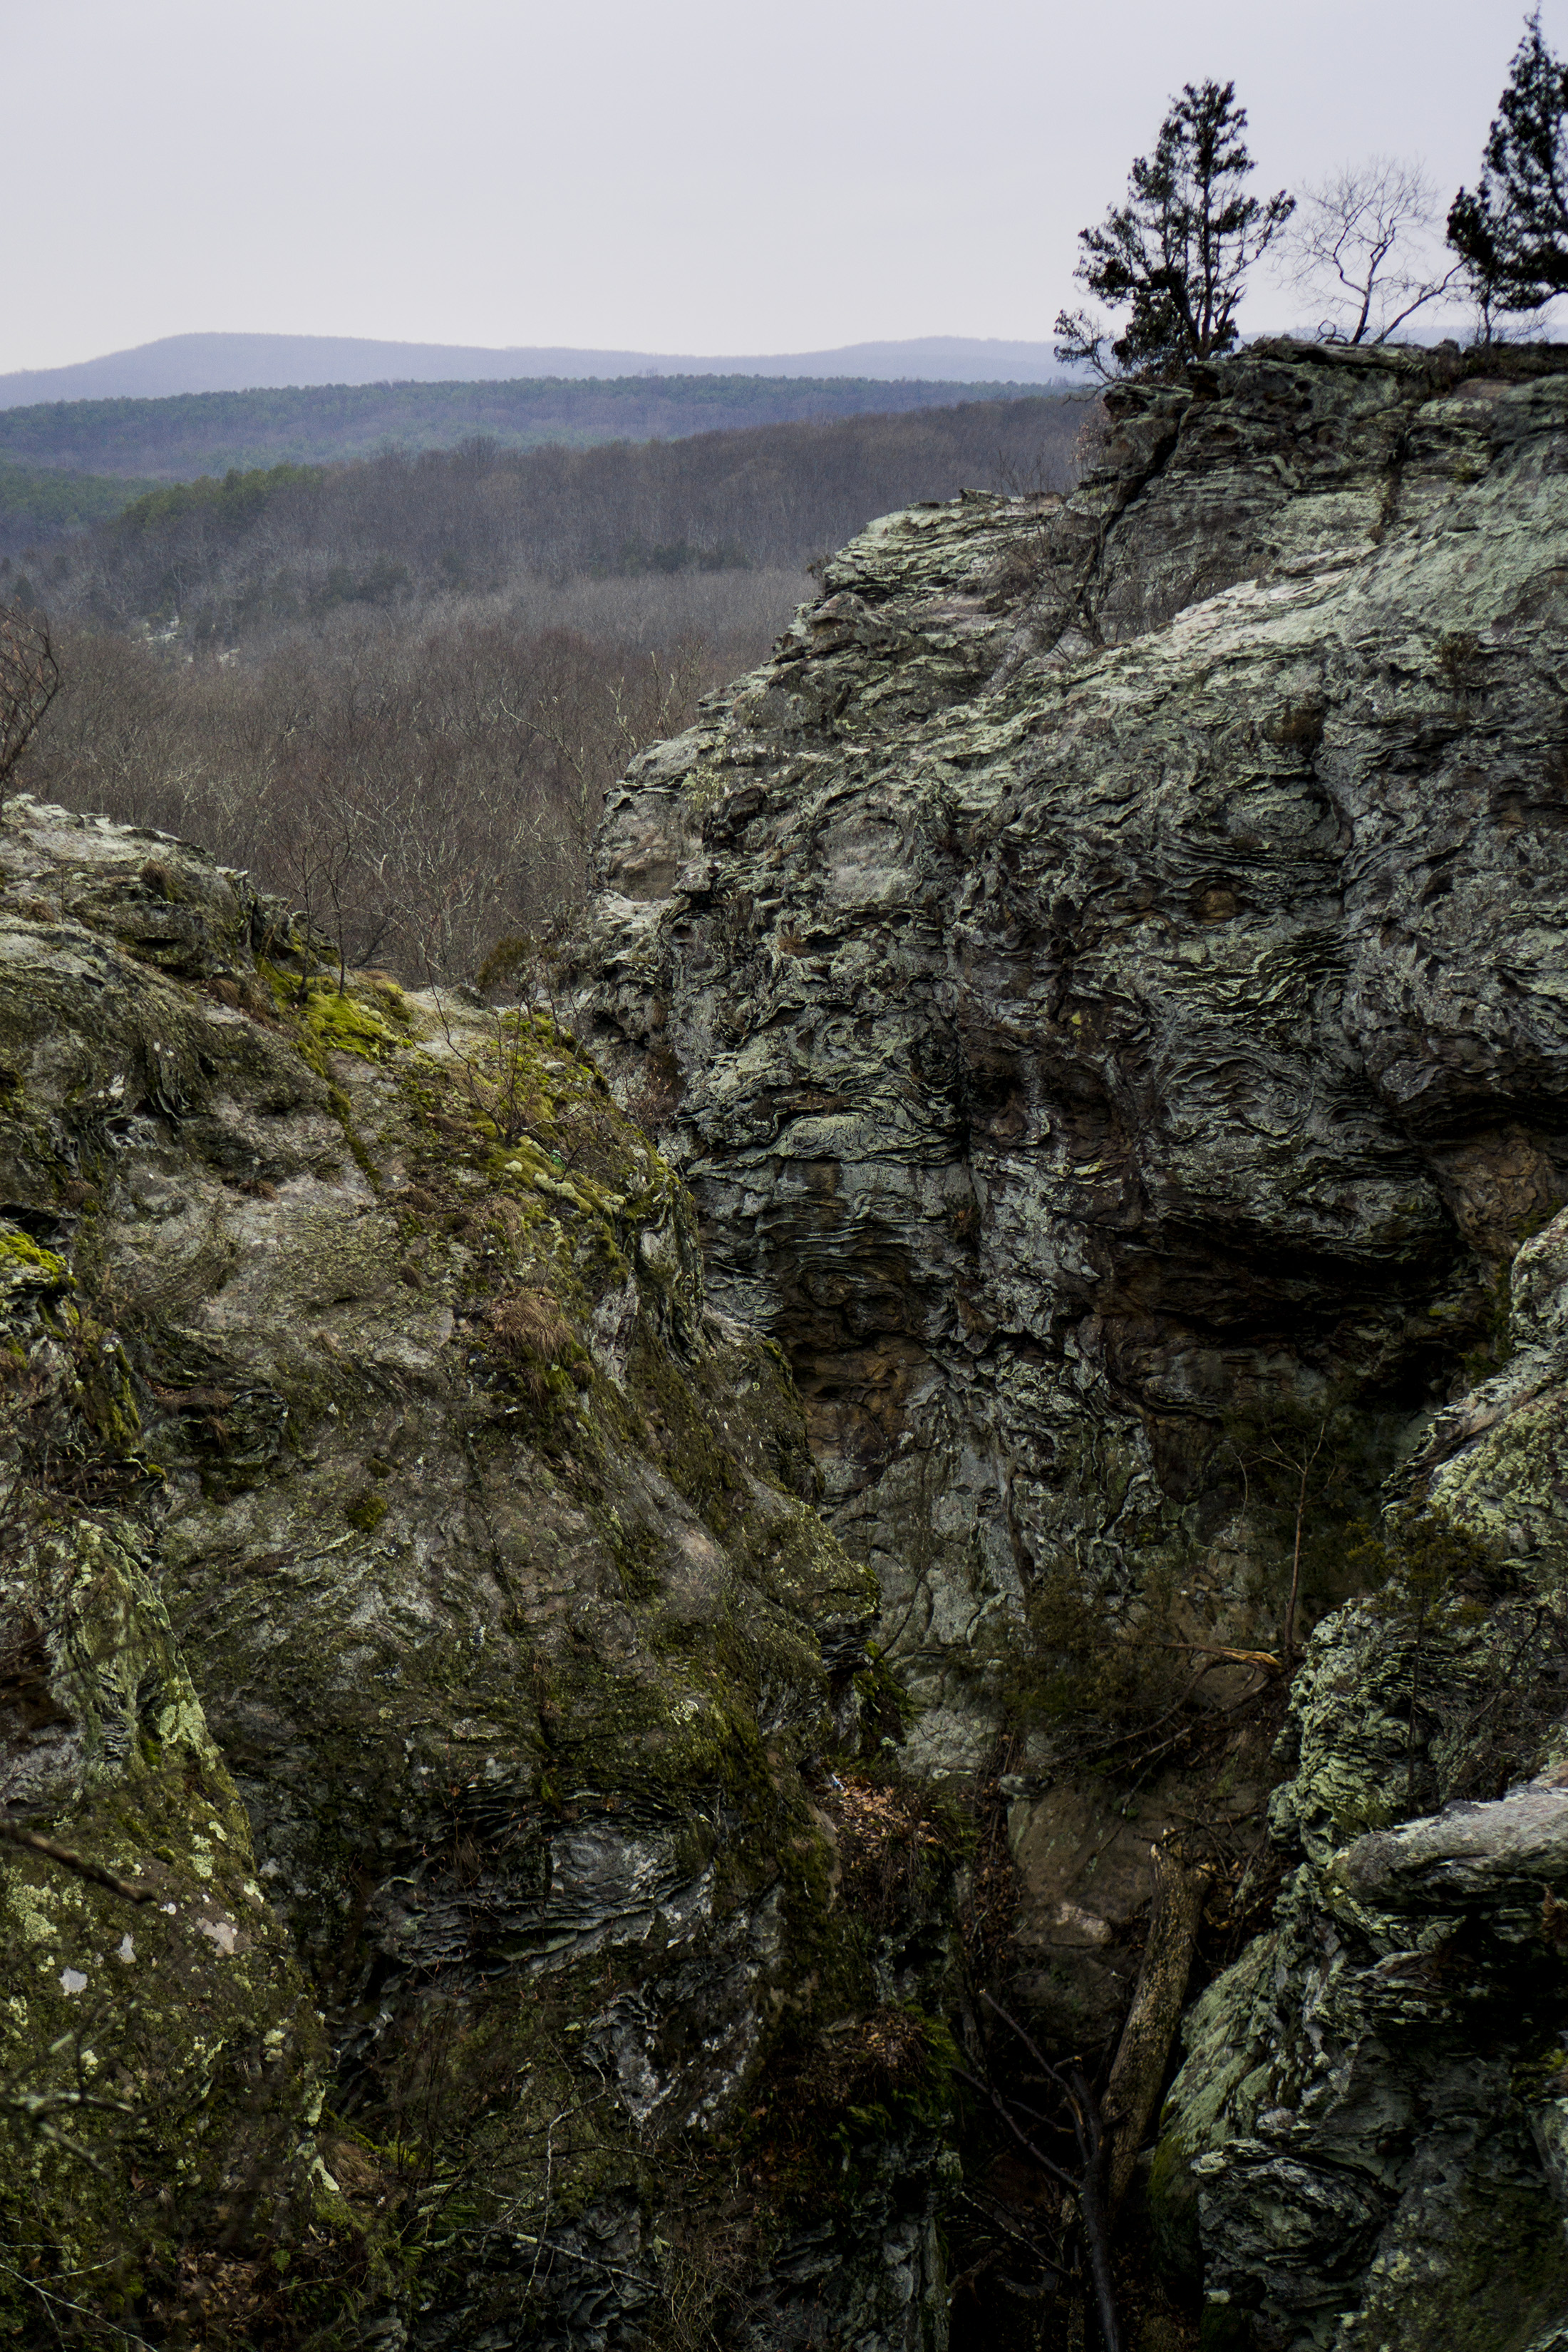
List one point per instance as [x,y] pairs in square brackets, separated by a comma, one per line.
[218,363]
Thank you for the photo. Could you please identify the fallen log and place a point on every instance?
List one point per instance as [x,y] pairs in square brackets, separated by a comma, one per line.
[1139,2067]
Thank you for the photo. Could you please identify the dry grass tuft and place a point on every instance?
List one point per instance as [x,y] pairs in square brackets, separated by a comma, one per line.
[529,1331]
[497,1219]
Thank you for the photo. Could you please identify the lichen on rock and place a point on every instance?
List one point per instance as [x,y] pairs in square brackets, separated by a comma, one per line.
[419,1617]
[1101,982]
[1101,975]
[1098,994]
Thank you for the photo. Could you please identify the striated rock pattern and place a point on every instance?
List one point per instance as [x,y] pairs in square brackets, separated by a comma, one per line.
[1368,2142]
[419,1650]
[1101,985]
[1103,976]
[1103,982]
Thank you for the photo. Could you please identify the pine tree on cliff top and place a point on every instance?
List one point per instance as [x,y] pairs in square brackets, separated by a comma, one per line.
[1511,231]
[1176,254]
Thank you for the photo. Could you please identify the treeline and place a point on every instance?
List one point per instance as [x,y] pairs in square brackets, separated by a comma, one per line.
[187,434]
[37,505]
[269,551]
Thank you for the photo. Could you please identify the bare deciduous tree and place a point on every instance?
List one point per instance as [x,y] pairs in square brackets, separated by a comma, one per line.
[419,793]
[317,856]
[1360,247]
[594,744]
[29,680]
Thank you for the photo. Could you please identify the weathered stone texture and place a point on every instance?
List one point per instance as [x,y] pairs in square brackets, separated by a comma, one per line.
[1102,985]
[1365,2144]
[418,1592]
[1104,981]
[1104,973]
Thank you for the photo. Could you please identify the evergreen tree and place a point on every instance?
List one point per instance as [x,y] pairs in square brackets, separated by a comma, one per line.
[1512,233]
[1176,254]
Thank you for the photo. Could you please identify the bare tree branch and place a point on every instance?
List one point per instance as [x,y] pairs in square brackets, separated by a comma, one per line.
[1361,246]
[68,1859]
[29,680]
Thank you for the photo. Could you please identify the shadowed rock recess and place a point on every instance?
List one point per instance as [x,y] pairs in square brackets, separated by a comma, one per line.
[1103,983]
[1098,995]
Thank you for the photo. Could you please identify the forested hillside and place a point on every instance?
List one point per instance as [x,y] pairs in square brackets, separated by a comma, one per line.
[178,438]
[276,546]
[40,503]
[397,689]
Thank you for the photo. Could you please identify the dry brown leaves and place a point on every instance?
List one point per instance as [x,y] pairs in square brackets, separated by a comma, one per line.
[882,1830]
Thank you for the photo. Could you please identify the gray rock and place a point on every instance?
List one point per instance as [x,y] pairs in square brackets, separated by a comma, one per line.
[1101,976]
[1102,982]
[410,1585]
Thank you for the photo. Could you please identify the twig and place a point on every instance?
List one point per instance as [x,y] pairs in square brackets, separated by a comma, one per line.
[1022,2136]
[63,1855]
[1094,2206]
[123,2334]
[1125,1738]
[1093,2148]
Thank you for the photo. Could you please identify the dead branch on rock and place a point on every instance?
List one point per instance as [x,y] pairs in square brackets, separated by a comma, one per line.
[1265,1659]
[93,1872]
[1137,2070]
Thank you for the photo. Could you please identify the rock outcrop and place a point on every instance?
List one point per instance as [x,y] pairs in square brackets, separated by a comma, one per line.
[1102,981]
[422,1654]
[1098,996]
[1103,976]
[1366,2143]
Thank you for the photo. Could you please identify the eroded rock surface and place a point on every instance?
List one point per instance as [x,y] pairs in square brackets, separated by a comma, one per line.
[1103,976]
[1103,982]
[418,1631]
[1365,2144]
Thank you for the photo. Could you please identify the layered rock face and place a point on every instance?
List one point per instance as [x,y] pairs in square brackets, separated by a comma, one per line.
[1102,978]
[415,1623]
[1103,983]
[1368,2141]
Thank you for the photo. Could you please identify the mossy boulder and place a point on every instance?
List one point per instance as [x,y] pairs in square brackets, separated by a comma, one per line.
[163,2060]
[436,1617]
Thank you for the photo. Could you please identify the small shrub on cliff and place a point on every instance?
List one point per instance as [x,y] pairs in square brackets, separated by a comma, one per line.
[1078,1663]
[1421,1563]
[1305,1470]
[1177,253]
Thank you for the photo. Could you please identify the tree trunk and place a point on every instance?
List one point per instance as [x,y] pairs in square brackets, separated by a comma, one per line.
[1140,2064]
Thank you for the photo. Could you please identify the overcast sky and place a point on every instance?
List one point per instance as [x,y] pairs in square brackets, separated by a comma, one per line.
[703,176]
